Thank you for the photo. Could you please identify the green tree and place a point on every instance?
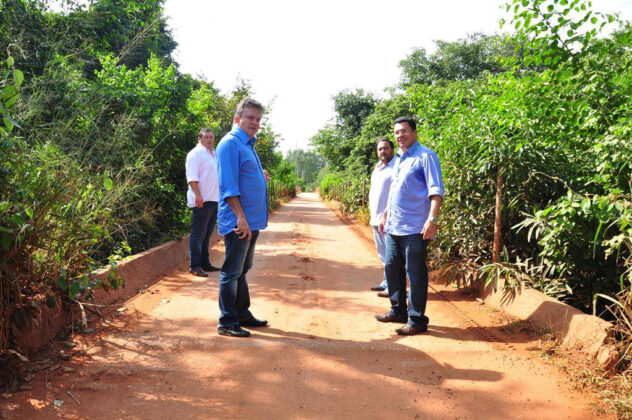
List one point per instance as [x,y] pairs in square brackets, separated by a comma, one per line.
[468,58]
[307,164]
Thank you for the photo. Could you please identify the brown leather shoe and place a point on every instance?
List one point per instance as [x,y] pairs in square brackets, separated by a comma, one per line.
[382,294]
[409,329]
[389,317]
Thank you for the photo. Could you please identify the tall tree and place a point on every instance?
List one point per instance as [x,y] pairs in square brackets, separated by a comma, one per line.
[463,59]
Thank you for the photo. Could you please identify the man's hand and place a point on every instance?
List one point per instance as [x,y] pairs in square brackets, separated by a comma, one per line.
[243,229]
[195,186]
[380,227]
[429,230]
[266,175]
[199,203]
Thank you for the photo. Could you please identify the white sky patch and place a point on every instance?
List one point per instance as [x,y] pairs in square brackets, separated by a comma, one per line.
[298,55]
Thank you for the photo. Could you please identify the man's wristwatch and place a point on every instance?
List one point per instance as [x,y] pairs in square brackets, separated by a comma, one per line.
[433,219]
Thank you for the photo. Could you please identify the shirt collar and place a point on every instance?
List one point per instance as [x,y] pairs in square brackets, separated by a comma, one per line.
[212,152]
[390,163]
[409,150]
[242,136]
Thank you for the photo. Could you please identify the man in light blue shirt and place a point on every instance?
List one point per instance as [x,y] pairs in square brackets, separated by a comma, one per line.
[410,220]
[378,198]
[242,213]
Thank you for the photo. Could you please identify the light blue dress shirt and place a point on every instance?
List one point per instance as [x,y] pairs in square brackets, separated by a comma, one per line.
[240,174]
[416,177]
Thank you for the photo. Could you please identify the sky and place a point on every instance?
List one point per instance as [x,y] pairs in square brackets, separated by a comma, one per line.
[297,55]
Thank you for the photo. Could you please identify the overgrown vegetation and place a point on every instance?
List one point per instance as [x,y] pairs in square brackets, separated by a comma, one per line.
[540,119]
[97,121]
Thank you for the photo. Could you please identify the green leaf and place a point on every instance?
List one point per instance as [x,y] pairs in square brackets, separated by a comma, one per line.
[10,122]
[596,238]
[6,241]
[74,288]
[108,184]
[61,283]
[18,76]
[10,61]
[18,220]
[8,92]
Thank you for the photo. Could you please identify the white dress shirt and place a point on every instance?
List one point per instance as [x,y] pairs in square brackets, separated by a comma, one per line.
[201,166]
[381,179]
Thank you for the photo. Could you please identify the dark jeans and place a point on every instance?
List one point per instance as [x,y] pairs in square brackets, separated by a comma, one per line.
[234,297]
[201,229]
[407,255]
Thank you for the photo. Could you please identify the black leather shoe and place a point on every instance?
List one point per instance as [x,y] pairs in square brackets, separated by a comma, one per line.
[253,322]
[377,288]
[410,330]
[382,294]
[210,268]
[235,331]
[389,317]
[198,272]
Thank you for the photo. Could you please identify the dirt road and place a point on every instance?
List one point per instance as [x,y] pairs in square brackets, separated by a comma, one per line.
[323,355]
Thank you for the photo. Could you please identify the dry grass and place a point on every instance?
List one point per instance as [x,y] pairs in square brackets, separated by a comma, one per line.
[614,390]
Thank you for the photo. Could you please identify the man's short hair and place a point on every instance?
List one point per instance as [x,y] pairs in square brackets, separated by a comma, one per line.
[206,130]
[248,103]
[381,139]
[410,120]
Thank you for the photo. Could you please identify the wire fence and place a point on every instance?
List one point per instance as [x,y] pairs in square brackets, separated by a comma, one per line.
[277,191]
[352,194]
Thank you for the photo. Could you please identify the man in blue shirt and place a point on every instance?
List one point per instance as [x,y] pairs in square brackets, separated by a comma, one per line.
[242,213]
[409,221]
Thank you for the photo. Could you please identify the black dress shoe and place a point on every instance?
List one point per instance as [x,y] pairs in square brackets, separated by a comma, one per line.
[410,330]
[389,317]
[253,322]
[382,294]
[235,331]
[377,288]
[198,272]
[210,268]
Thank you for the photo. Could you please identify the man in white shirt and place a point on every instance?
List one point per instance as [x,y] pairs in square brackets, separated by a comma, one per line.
[202,196]
[378,199]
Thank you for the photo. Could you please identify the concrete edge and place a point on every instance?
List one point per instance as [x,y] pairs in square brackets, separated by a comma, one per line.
[137,275]
[572,328]
[138,271]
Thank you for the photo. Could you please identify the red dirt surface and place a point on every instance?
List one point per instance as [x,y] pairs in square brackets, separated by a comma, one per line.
[323,355]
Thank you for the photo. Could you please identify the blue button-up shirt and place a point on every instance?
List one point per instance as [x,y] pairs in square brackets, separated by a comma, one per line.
[240,174]
[416,177]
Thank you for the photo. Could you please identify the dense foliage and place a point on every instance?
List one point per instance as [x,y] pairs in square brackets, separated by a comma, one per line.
[97,123]
[542,119]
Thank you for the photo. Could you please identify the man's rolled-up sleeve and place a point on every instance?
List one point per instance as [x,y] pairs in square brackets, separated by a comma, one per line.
[192,167]
[434,177]
[228,170]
